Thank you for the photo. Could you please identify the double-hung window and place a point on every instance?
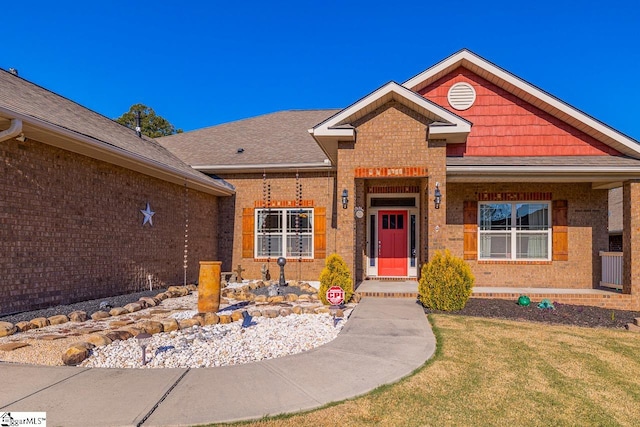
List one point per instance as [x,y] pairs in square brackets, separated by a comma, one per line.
[284,233]
[514,231]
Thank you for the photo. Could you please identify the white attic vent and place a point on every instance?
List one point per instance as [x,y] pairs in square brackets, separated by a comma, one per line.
[461,96]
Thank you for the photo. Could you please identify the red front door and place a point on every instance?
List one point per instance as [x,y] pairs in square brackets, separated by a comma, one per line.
[392,243]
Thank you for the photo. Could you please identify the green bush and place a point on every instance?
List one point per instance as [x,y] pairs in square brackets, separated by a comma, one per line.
[335,273]
[445,283]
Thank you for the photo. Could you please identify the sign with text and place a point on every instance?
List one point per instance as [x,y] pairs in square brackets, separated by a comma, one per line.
[335,295]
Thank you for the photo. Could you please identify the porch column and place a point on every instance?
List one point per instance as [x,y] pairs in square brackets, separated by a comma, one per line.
[631,237]
[436,218]
[345,179]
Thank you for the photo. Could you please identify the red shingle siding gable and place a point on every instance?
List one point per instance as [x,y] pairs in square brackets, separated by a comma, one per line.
[505,125]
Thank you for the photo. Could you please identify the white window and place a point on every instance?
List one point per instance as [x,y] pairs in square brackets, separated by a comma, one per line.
[284,232]
[514,231]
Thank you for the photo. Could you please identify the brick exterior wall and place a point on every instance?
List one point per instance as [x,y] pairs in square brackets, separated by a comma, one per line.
[71,228]
[316,186]
[587,236]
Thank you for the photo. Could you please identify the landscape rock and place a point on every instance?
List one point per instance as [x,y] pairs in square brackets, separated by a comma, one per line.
[99,315]
[188,323]
[98,340]
[118,335]
[133,307]
[297,309]
[78,316]
[39,322]
[291,297]
[10,346]
[118,311]
[236,315]
[7,329]
[275,299]
[161,296]
[149,302]
[76,353]
[224,318]
[260,298]
[151,327]
[179,290]
[285,311]
[169,324]
[270,313]
[24,326]
[58,319]
[211,319]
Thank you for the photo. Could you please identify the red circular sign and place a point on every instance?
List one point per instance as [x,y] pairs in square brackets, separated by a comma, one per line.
[335,295]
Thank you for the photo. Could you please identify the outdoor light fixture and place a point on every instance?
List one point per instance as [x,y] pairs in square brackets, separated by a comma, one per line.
[438,196]
[143,340]
[345,199]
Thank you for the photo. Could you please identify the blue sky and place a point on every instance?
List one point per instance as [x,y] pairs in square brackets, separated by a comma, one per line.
[201,63]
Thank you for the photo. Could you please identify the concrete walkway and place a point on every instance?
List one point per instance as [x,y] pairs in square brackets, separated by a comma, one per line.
[383,341]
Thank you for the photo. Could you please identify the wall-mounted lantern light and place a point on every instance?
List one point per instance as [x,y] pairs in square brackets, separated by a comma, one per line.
[438,196]
[345,199]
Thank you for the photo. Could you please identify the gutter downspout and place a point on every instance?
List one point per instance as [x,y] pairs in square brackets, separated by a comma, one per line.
[14,130]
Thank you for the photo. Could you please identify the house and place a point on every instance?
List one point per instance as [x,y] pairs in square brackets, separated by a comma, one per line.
[88,209]
[464,156]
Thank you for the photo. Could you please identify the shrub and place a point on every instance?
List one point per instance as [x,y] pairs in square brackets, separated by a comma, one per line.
[445,283]
[335,273]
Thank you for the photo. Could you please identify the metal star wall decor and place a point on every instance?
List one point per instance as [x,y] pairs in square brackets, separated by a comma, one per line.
[148,215]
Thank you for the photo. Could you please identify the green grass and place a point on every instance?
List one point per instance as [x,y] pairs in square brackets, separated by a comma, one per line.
[489,372]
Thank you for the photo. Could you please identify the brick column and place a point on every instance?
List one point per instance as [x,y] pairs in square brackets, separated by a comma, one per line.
[631,237]
[346,239]
[436,218]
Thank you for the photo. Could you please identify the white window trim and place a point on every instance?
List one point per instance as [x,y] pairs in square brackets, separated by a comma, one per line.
[515,232]
[282,234]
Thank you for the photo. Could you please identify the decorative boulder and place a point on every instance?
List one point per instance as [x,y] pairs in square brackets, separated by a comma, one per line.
[149,302]
[133,307]
[151,327]
[7,329]
[260,298]
[225,319]
[118,311]
[119,334]
[270,313]
[169,324]
[39,322]
[161,296]
[58,319]
[236,315]
[275,299]
[99,315]
[285,311]
[297,309]
[98,340]
[24,326]
[321,310]
[78,316]
[76,353]
[211,319]
[188,323]
[291,297]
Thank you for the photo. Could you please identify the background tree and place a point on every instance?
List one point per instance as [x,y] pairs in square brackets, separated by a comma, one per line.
[151,124]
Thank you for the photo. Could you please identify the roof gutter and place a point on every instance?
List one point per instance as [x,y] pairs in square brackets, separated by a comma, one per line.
[101,146]
[308,167]
[14,130]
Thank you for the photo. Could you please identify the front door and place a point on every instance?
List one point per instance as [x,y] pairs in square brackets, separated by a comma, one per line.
[392,243]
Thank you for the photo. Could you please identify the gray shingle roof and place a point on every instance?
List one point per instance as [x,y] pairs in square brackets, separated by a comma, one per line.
[23,97]
[560,161]
[275,138]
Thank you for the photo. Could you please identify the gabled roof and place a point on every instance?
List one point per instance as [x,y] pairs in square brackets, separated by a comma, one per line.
[52,119]
[446,125]
[276,141]
[529,93]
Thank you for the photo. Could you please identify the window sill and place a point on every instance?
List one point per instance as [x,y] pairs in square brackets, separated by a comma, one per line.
[516,262]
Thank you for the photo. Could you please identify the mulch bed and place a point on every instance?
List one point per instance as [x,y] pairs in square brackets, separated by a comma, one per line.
[566,314]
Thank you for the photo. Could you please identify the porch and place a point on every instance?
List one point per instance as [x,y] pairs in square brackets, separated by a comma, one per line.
[606,298]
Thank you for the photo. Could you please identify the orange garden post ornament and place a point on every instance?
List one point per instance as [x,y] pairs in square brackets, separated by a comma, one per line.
[209,286]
